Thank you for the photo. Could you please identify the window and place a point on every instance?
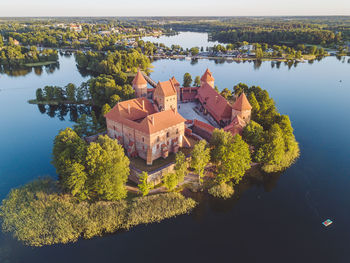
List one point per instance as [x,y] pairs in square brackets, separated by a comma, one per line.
[143,139]
[177,131]
[167,134]
[158,139]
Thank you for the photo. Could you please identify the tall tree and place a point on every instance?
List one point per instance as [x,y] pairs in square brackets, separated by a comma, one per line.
[197,81]
[181,166]
[68,148]
[107,168]
[235,160]
[144,185]
[187,80]
[200,158]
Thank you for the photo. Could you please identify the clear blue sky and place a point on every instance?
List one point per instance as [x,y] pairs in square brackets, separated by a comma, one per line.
[172,8]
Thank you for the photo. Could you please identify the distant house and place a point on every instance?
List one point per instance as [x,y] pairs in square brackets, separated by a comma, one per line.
[104,33]
[75,27]
[16,42]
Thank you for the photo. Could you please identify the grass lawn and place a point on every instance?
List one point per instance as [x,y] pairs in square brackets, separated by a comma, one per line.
[43,63]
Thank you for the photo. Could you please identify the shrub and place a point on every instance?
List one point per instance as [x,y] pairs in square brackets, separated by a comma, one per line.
[39,215]
[222,190]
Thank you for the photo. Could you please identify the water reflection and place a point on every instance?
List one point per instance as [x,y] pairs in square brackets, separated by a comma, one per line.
[63,111]
[255,177]
[23,71]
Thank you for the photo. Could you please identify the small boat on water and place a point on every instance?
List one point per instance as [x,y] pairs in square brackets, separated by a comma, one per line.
[327,222]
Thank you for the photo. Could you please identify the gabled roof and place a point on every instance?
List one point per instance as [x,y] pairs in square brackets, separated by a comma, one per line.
[121,110]
[207,76]
[175,82]
[165,88]
[242,103]
[161,120]
[236,126]
[139,79]
[145,119]
[216,104]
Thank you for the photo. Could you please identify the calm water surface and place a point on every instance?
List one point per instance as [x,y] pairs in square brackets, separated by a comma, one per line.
[276,220]
[184,39]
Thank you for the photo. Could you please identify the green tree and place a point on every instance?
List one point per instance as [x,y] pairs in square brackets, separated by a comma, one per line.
[181,166]
[71,92]
[200,158]
[107,168]
[236,160]
[39,95]
[259,53]
[171,181]
[194,51]
[197,81]
[218,142]
[49,92]
[83,126]
[187,80]
[226,93]
[273,149]
[144,185]
[254,134]
[114,100]
[75,183]
[68,148]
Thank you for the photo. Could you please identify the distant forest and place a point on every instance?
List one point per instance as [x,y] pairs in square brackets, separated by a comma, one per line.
[326,31]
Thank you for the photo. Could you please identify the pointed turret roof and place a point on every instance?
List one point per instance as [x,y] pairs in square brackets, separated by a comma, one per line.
[175,82]
[207,76]
[139,79]
[242,103]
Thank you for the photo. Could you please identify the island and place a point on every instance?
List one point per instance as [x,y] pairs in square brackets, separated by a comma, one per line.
[154,149]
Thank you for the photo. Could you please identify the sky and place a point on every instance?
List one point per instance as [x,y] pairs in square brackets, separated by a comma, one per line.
[173,8]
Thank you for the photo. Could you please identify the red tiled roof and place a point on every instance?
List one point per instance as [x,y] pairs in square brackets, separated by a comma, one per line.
[146,119]
[204,126]
[136,109]
[139,79]
[236,126]
[242,103]
[207,76]
[165,88]
[215,104]
[174,80]
[161,120]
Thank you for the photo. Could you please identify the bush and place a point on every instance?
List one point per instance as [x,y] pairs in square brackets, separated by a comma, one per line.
[222,190]
[38,214]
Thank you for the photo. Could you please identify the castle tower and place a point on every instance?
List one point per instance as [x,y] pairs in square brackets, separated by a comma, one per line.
[165,95]
[242,108]
[177,86]
[139,84]
[207,78]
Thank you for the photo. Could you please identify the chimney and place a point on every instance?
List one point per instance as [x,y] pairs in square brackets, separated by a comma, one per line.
[143,104]
[152,119]
[128,108]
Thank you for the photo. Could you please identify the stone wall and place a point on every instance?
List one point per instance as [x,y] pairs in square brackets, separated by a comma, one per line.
[155,177]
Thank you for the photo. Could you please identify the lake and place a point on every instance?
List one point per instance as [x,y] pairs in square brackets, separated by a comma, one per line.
[184,39]
[275,219]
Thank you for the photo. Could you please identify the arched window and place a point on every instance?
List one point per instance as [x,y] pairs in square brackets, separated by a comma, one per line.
[167,134]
